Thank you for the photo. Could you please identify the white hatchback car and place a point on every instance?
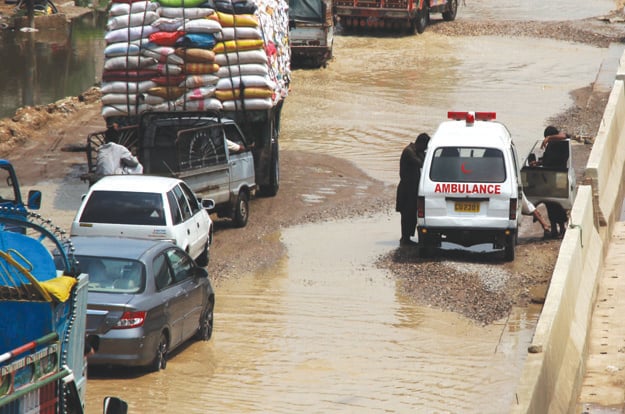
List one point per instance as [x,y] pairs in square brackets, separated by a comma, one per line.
[147,207]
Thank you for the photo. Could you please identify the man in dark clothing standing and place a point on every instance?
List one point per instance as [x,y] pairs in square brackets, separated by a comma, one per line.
[556,155]
[410,165]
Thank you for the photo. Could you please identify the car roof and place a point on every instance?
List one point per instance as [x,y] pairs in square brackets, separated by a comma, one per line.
[118,247]
[481,133]
[135,183]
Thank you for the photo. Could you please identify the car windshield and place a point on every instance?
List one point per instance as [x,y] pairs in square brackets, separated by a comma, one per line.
[124,207]
[112,275]
[468,165]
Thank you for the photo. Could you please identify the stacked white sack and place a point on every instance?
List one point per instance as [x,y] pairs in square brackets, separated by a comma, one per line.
[127,73]
[175,66]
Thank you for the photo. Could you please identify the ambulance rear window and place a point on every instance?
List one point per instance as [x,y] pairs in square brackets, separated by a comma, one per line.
[468,165]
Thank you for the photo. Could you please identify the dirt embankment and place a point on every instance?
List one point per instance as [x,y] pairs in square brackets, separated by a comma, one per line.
[40,140]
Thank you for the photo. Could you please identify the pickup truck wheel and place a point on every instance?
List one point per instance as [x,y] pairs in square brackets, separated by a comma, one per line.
[423,17]
[241,210]
[450,13]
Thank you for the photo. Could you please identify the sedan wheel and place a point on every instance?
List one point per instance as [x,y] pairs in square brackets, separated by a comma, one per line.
[160,359]
[205,330]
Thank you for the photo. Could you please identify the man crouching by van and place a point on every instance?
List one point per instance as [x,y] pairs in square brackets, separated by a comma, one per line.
[410,164]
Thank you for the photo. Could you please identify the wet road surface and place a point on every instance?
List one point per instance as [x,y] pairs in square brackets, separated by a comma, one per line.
[325,330]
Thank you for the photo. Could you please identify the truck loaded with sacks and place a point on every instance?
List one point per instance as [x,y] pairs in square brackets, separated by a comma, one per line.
[193,67]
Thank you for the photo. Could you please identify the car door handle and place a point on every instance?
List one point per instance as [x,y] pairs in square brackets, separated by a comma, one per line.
[188,232]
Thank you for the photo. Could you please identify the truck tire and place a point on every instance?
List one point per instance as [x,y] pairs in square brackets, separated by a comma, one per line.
[450,13]
[241,210]
[271,189]
[423,18]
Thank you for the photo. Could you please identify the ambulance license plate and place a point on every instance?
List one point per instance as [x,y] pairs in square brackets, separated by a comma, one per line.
[466,207]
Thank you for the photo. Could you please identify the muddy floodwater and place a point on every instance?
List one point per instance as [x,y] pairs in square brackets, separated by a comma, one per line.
[325,330]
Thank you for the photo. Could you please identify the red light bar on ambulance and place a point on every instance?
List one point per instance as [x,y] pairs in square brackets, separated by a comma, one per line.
[471,117]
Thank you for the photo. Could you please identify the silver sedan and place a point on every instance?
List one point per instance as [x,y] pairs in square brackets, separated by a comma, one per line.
[145,299]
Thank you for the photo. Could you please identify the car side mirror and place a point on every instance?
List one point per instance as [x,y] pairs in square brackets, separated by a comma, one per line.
[208,203]
[34,199]
[201,272]
[115,405]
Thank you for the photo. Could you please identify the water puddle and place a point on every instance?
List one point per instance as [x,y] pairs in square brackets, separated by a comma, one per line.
[388,90]
[326,331]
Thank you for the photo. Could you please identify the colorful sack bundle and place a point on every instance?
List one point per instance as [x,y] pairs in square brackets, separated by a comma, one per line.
[195,55]
[199,68]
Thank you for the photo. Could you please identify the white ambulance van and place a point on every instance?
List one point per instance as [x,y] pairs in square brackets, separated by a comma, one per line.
[470,190]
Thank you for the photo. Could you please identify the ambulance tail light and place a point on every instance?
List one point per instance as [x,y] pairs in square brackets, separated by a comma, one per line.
[513,208]
[420,207]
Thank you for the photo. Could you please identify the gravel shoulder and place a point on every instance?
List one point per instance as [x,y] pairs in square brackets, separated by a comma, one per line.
[45,143]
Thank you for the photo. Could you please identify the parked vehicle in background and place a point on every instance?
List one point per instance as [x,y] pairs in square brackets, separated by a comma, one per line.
[147,207]
[145,299]
[312,32]
[396,15]
[194,148]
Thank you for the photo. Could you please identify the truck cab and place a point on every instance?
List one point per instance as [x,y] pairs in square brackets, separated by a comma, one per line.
[395,15]
[311,24]
[10,193]
[470,188]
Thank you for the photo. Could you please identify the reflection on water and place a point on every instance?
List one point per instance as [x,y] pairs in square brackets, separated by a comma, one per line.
[379,94]
[43,67]
[534,9]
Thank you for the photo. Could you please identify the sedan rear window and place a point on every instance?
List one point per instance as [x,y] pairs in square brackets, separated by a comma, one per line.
[112,275]
[468,165]
[121,207]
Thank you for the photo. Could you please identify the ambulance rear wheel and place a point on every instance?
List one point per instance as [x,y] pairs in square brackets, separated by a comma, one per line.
[509,248]
[424,249]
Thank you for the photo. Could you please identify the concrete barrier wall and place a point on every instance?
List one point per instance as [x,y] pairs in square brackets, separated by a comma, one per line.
[604,170]
[552,373]
[552,376]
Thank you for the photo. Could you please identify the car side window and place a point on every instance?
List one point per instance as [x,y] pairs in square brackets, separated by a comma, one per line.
[192,198]
[7,192]
[181,264]
[182,202]
[162,272]
[176,215]
[233,134]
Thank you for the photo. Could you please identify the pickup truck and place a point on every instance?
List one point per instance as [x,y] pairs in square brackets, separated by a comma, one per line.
[193,147]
